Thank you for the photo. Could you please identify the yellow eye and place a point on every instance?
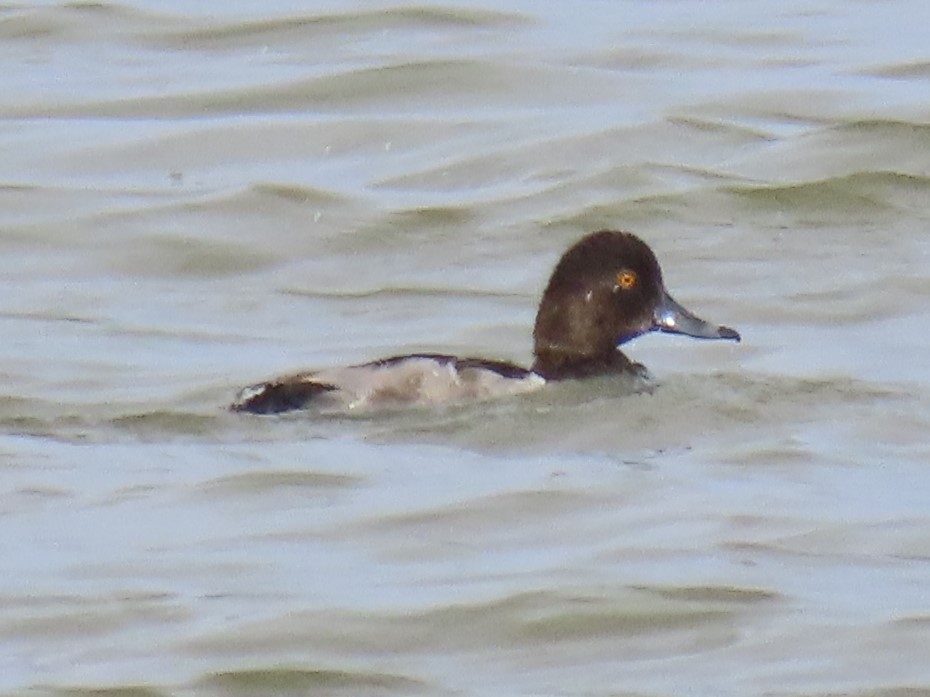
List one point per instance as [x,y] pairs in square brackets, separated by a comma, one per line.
[626,280]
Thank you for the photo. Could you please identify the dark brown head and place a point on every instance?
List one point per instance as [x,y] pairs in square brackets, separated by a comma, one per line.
[605,290]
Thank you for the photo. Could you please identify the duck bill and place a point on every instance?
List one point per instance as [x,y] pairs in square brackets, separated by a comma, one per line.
[672,318]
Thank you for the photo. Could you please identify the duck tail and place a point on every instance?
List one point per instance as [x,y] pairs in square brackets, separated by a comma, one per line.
[279,395]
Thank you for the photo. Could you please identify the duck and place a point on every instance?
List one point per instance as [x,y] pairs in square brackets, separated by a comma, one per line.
[605,291]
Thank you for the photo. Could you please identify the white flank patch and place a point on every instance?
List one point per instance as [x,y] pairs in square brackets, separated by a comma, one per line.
[418,381]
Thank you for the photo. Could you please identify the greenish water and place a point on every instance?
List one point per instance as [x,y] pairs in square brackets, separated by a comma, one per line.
[193,199]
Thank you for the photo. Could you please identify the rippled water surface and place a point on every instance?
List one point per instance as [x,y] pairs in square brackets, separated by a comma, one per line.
[196,196]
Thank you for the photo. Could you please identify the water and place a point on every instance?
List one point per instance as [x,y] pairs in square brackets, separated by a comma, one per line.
[193,199]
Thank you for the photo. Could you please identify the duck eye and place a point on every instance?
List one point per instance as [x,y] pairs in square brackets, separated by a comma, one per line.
[627,279]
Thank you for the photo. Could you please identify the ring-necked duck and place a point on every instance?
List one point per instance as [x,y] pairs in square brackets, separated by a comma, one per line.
[605,290]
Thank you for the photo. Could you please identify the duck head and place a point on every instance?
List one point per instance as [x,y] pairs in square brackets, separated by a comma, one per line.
[606,290]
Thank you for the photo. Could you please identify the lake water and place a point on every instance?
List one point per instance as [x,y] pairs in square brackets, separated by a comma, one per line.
[197,196]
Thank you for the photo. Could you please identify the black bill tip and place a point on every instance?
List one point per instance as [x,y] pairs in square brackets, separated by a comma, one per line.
[727,333]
